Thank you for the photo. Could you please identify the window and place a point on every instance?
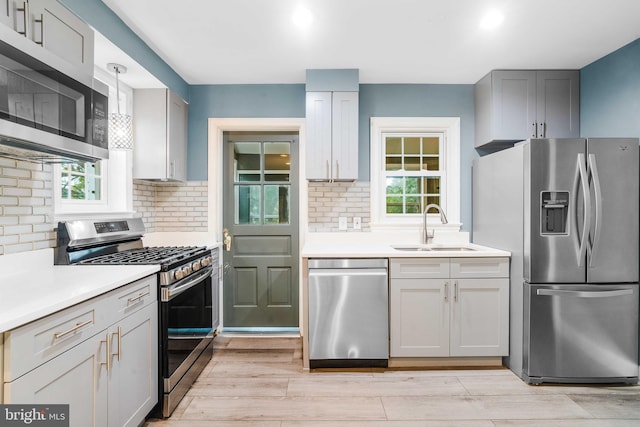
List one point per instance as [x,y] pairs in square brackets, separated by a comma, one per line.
[412,172]
[81,181]
[414,162]
[262,182]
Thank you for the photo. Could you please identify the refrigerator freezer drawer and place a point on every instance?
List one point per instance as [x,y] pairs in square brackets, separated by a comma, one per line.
[581,333]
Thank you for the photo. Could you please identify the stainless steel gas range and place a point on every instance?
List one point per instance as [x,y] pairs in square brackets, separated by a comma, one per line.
[187,291]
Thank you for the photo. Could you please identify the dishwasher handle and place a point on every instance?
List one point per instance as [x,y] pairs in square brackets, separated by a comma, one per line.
[325,272]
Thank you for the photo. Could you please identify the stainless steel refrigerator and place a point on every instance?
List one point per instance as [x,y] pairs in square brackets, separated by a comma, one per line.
[567,209]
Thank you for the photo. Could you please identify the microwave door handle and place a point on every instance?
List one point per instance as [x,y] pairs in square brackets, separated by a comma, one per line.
[580,183]
[597,232]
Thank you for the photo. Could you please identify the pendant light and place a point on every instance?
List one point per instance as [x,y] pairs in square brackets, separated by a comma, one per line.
[120,125]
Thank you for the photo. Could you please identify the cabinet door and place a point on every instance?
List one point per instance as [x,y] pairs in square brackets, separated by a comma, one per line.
[480,317]
[419,318]
[6,13]
[558,104]
[344,145]
[133,386]
[513,105]
[318,119]
[61,32]
[77,377]
[177,111]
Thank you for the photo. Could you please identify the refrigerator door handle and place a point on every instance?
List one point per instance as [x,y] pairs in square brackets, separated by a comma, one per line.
[581,178]
[598,201]
[584,294]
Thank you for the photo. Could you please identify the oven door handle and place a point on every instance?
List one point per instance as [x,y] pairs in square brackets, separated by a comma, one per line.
[176,289]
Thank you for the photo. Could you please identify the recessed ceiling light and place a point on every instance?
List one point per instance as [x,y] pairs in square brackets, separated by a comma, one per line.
[302,17]
[492,19]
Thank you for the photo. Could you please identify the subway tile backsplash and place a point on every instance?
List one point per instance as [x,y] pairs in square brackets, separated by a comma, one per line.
[171,206]
[26,206]
[330,200]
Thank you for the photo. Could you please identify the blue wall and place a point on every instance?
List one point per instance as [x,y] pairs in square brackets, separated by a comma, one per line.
[227,101]
[610,94]
[223,101]
[100,17]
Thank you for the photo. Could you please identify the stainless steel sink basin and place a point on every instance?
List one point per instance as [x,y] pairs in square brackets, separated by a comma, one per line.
[425,248]
[415,248]
[452,248]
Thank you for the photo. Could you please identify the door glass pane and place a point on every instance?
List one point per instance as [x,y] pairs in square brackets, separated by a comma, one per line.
[276,204]
[247,209]
[246,161]
[277,161]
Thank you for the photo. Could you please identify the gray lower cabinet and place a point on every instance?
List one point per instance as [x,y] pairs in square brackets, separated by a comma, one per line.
[100,357]
[514,105]
[441,307]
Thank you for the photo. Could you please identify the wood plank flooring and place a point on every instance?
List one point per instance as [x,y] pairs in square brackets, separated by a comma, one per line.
[260,382]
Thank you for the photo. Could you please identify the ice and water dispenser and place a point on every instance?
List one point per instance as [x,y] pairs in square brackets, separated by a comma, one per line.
[555,212]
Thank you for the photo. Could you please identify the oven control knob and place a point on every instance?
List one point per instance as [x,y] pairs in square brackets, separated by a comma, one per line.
[179,274]
[186,270]
[196,265]
[205,261]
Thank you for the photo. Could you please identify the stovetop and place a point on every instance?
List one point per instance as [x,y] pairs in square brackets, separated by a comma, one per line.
[164,255]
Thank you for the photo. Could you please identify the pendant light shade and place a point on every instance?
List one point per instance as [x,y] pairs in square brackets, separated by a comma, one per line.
[120,125]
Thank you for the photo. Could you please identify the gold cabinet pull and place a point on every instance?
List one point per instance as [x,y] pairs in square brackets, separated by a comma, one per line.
[59,335]
[119,353]
[107,342]
[134,300]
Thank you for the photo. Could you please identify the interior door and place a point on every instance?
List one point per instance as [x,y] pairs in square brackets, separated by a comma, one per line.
[260,255]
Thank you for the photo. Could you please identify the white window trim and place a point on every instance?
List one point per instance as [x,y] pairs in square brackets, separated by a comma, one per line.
[117,173]
[450,127]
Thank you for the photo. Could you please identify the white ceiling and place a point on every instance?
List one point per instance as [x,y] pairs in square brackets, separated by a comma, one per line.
[389,41]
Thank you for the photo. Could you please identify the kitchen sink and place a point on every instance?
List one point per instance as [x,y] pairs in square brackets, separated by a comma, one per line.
[426,248]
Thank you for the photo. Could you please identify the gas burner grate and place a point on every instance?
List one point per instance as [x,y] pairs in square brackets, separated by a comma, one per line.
[150,255]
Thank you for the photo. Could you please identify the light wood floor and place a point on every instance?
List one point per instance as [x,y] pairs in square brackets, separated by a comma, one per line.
[260,382]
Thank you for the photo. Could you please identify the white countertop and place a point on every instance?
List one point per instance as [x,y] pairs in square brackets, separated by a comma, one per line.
[380,245]
[32,287]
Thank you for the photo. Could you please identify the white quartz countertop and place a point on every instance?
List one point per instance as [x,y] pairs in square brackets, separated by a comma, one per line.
[352,245]
[31,287]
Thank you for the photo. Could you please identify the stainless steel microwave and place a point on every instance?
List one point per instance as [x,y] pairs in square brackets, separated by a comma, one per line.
[45,110]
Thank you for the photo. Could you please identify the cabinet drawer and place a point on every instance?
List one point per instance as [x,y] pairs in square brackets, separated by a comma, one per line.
[133,297]
[31,345]
[479,267]
[416,268]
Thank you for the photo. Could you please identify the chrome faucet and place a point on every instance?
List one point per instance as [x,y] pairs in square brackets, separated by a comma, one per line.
[426,236]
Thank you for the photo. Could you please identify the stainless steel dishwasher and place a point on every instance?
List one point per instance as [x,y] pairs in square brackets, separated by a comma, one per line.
[348,312]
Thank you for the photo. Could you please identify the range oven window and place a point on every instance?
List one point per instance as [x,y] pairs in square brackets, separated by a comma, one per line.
[187,320]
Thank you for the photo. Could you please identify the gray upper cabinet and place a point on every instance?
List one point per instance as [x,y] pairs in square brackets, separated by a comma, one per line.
[160,135]
[52,26]
[332,136]
[513,105]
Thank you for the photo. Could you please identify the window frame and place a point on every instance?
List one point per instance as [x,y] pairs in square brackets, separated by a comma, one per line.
[449,127]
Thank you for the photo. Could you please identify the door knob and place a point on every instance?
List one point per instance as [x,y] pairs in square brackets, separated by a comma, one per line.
[226,239]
